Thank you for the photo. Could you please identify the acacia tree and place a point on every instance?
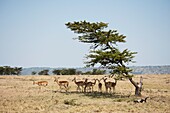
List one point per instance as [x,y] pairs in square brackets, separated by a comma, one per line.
[44,72]
[104,49]
[33,73]
[56,72]
[7,70]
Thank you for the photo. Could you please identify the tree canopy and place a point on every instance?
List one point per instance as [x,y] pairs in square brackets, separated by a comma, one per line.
[7,70]
[44,72]
[104,46]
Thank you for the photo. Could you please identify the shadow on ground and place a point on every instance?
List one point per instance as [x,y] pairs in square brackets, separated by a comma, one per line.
[95,94]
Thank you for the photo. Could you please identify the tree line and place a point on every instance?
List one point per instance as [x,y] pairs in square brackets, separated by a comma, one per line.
[7,70]
[70,71]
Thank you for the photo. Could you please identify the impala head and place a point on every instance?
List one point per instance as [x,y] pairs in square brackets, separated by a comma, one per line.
[86,80]
[56,79]
[74,79]
[104,79]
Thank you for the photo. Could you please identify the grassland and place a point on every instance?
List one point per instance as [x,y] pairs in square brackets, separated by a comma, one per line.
[18,94]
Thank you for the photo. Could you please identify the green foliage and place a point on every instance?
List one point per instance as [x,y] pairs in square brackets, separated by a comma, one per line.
[104,46]
[94,33]
[95,72]
[98,72]
[56,72]
[70,71]
[43,72]
[7,70]
[33,73]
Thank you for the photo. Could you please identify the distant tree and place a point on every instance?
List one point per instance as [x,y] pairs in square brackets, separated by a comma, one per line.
[13,71]
[1,70]
[17,70]
[98,72]
[71,71]
[46,72]
[43,72]
[87,73]
[33,73]
[104,49]
[79,72]
[40,73]
[56,72]
[64,72]
[7,70]
[95,72]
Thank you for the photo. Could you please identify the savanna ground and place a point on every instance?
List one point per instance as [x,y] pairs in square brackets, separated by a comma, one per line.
[18,94]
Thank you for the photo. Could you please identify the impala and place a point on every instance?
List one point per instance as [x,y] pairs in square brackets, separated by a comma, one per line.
[41,83]
[79,84]
[109,84]
[89,85]
[62,83]
[99,85]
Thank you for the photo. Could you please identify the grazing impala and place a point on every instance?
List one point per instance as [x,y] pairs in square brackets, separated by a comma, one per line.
[41,83]
[62,83]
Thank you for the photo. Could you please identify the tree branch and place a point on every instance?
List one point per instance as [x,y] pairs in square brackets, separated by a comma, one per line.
[133,82]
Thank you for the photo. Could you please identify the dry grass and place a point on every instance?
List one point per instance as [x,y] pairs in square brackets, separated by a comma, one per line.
[18,94]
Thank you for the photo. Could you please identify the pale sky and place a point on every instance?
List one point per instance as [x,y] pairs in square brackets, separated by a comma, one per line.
[33,32]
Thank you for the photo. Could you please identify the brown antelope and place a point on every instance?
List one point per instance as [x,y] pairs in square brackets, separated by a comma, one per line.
[62,83]
[109,84]
[79,84]
[89,84]
[41,83]
[93,83]
[99,85]
[114,84]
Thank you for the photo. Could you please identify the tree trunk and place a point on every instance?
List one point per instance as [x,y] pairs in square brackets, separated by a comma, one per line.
[138,91]
[138,86]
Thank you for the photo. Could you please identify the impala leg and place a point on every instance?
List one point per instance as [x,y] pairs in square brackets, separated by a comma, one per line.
[106,89]
[82,89]
[78,89]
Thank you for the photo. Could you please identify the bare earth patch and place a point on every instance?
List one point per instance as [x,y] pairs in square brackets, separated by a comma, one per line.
[18,94]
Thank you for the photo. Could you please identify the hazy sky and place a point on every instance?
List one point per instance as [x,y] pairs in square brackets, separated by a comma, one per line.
[33,32]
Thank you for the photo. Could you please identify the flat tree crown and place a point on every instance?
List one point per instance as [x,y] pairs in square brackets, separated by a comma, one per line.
[104,46]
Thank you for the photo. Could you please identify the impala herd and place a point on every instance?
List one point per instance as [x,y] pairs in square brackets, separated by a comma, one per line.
[85,84]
